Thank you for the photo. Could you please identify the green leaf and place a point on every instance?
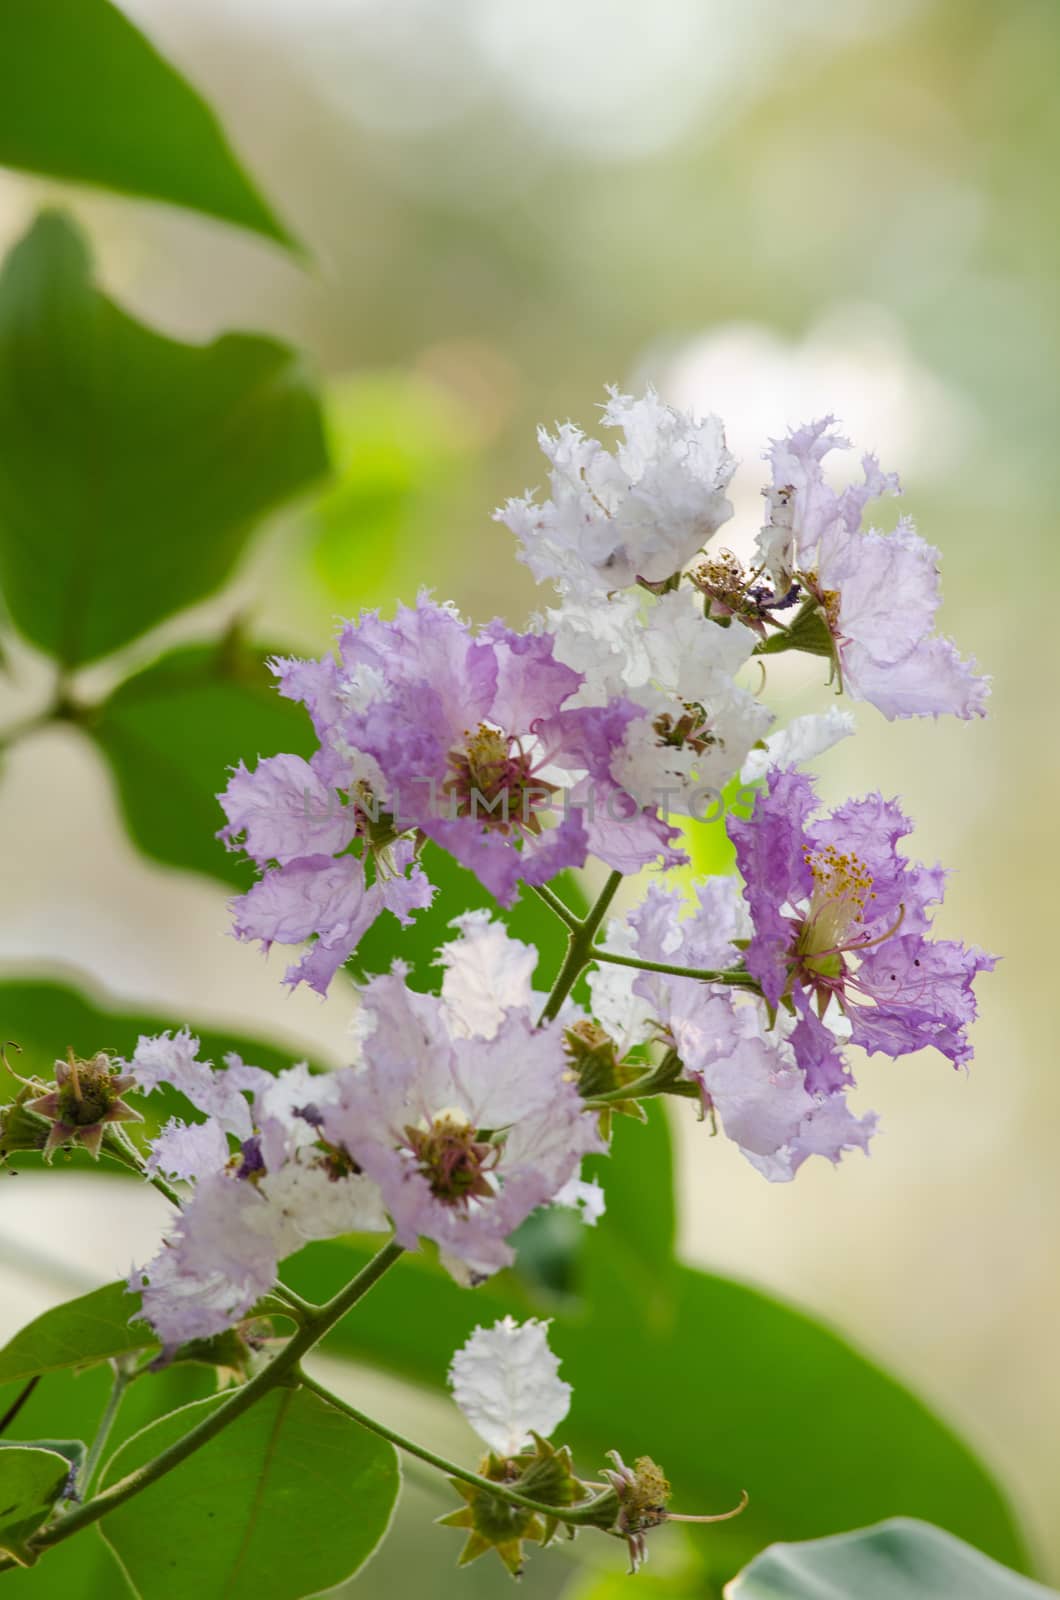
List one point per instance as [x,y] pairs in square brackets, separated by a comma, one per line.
[92,1328]
[68,1402]
[900,1560]
[727,1387]
[31,1480]
[83,95]
[290,1499]
[132,467]
[170,735]
[73,1451]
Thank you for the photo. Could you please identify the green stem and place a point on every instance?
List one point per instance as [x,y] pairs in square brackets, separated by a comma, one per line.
[639,1089]
[277,1371]
[579,949]
[122,1378]
[120,1148]
[732,976]
[302,1308]
[573,1514]
[554,903]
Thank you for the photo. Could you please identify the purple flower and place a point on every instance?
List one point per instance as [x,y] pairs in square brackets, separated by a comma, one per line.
[465,1135]
[473,739]
[877,594]
[750,1076]
[428,730]
[840,915]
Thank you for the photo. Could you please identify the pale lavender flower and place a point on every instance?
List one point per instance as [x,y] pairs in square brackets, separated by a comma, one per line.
[876,594]
[263,1184]
[465,1135]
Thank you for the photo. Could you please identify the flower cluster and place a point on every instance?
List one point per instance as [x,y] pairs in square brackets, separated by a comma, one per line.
[635,696]
[458,1118]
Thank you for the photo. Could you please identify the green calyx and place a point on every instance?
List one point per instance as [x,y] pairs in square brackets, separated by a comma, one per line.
[808,631]
[20,1128]
[545,1474]
[594,1058]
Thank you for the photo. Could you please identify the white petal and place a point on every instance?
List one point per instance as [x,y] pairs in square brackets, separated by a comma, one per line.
[486,974]
[505,1381]
[584,1196]
[800,741]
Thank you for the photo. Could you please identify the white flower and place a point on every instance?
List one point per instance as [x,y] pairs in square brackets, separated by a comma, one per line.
[799,742]
[486,974]
[506,1382]
[640,513]
[698,723]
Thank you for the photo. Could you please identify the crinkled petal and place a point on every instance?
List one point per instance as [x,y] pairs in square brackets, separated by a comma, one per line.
[802,740]
[189,1150]
[922,993]
[931,681]
[218,1261]
[506,1381]
[487,973]
[174,1059]
[772,863]
[282,811]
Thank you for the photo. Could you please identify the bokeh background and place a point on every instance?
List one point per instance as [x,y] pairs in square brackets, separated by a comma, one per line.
[768,210]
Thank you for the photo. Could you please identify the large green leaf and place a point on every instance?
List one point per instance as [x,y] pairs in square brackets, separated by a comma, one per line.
[901,1560]
[94,1327]
[31,1480]
[290,1499]
[68,1403]
[170,734]
[132,467]
[727,1387]
[84,95]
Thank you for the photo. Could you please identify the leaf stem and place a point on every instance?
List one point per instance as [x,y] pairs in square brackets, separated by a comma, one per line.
[122,1378]
[579,949]
[278,1371]
[575,1515]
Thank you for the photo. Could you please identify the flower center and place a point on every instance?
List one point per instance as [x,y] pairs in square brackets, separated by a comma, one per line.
[88,1093]
[452,1158]
[842,886]
[492,781]
[689,731]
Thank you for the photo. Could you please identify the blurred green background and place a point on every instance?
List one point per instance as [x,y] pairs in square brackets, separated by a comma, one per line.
[769,211]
